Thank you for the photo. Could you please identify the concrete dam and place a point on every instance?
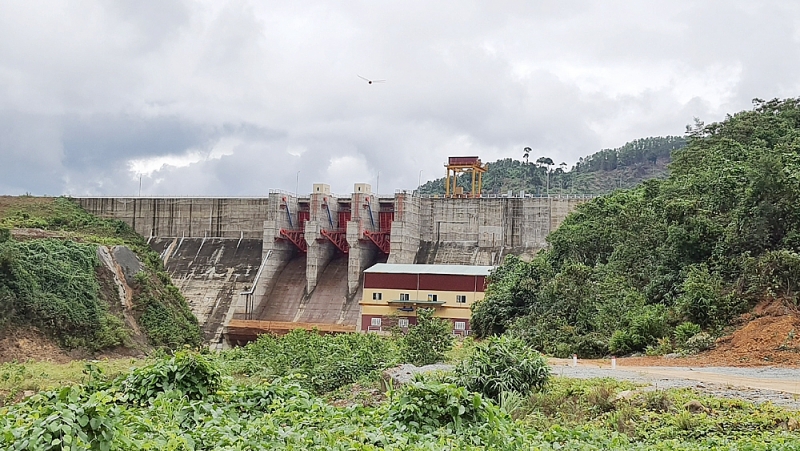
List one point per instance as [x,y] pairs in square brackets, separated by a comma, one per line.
[297,261]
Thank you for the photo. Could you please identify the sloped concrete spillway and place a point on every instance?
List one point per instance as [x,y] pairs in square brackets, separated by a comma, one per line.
[286,296]
[210,273]
[328,302]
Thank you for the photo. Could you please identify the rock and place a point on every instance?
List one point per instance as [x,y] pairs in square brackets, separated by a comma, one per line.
[625,395]
[672,355]
[793,424]
[402,374]
[695,406]
[128,261]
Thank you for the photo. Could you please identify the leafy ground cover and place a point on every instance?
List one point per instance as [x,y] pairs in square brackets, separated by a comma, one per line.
[190,401]
[50,279]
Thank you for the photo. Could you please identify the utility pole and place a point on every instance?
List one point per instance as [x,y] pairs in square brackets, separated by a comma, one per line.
[297,185]
[140,185]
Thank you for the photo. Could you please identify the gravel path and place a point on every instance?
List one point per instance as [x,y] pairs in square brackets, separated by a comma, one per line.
[781,386]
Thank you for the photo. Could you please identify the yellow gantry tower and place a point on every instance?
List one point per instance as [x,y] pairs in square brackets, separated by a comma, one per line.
[464,164]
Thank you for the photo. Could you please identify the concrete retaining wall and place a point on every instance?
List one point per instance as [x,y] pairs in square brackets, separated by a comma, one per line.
[185,217]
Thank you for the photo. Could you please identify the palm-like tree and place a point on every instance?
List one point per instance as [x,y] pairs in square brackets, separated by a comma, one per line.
[546,162]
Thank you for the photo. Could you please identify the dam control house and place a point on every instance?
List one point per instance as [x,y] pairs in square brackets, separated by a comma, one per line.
[393,293]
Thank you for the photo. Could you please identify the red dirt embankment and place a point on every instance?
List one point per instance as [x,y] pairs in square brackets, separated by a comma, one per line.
[768,336]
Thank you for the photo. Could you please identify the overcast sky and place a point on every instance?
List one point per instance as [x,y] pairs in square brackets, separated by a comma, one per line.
[234,98]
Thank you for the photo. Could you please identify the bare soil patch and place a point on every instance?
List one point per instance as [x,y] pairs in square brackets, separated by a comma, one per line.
[30,344]
[769,336]
[22,234]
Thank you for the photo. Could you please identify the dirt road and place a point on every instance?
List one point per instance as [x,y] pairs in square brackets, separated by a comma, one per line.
[763,384]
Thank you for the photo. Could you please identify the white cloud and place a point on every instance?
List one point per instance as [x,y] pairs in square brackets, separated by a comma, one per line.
[343,171]
[230,98]
[147,166]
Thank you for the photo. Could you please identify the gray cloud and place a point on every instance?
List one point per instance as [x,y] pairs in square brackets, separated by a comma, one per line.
[234,98]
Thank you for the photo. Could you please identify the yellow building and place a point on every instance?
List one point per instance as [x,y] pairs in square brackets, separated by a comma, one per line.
[393,290]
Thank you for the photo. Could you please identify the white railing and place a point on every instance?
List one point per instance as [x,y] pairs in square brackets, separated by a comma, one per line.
[248,307]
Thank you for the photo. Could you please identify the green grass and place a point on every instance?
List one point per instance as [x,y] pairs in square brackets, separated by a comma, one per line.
[19,377]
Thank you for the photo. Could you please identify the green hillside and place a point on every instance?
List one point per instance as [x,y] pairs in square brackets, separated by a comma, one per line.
[649,267]
[601,172]
[51,279]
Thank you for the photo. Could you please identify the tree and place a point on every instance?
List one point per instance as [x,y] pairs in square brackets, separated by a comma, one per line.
[526,154]
[427,342]
[546,162]
[718,235]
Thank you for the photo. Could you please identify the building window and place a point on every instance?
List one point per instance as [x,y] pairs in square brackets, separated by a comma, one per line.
[460,325]
[461,299]
[403,323]
[433,297]
[405,297]
[377,296]
[375,322]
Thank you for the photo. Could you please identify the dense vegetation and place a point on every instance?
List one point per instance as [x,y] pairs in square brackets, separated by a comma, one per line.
[49,279]
[52,285]
[322,363]
[246,399]
[643,268]
[601,172]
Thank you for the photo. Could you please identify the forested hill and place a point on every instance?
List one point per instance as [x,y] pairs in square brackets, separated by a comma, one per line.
[601,172]
[648,268]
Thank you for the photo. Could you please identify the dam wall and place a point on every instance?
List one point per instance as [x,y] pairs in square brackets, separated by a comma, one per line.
[210,273]
[300,259]
[475,231]
[191,217]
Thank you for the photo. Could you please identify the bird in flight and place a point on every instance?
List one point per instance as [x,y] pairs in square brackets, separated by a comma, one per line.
[371,81]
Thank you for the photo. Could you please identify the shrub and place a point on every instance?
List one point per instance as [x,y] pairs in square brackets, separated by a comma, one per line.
[427,342]
[645,326]
[187,372]
[591,346]
[699,343]
[165,315]
[327,361]
[701,299]
[502,364]
[428,406]
[657,400]
[625,342]
[601,397]
[685,331]
[663,347]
